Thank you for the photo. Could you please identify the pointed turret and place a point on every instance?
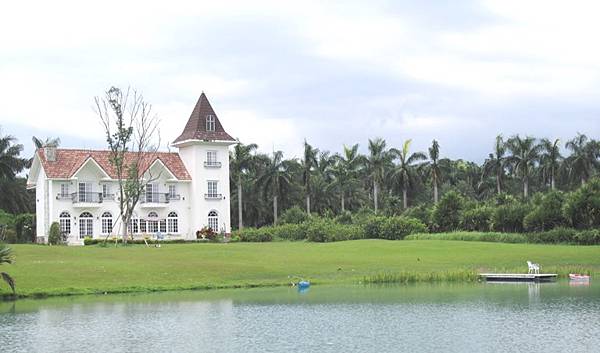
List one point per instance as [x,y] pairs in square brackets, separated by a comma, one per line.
[203,124]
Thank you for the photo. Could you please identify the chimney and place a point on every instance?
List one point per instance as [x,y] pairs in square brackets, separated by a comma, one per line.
[50,152]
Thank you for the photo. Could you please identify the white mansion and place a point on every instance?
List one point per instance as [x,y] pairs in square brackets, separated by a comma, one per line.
[77,188]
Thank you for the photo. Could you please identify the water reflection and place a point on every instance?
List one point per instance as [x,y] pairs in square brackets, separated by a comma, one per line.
[421,318]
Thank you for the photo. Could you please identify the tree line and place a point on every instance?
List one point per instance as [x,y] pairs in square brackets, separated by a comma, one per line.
[390,180]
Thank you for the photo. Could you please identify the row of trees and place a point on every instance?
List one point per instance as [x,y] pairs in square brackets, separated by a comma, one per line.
[391,179]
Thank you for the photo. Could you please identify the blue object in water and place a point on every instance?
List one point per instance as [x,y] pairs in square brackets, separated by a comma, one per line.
[303,284]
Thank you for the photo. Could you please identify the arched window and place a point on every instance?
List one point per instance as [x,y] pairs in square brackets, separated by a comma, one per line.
[152,222]
[134,224]
[107,223]
[86,225]
[172,223]
[213,221]
[210,122]
[65,223]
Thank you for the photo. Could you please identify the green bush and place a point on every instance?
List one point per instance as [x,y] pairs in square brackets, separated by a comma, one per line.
[54,237]
[509,217]
[582,207]
[554,236]
[422,213]
[372,226]
[10,236]
[587,237]
[396,228]
[324,230]
[477,219]
[472,236]
[253,235]
[344,218]
[7,219]
[547,213]
[447,213]
[25,227]
[289,231]
[103,241]
[294,215]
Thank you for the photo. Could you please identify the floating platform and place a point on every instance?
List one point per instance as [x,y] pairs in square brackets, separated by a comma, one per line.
[519,277]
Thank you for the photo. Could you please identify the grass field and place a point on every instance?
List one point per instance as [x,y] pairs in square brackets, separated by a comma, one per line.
[60,270]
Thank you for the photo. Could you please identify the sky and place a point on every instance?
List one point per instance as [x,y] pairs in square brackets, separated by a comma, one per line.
[333,73]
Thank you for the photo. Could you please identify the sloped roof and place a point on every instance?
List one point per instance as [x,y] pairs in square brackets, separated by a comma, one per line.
[68,161]
[195,129]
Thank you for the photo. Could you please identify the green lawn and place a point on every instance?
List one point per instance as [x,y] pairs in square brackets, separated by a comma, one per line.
[45,270]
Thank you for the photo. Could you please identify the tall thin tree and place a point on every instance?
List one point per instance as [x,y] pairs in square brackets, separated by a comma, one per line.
[525,153]
[496,163]
[403,173]
[550,159]
[377,162]
[309,162]
[241,160]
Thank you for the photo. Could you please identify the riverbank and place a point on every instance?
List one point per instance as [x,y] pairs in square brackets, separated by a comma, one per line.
[41,271]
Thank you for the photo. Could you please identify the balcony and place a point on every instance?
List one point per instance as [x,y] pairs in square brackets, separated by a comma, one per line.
[213,196]
[157,199]
[212,164]
[87,199]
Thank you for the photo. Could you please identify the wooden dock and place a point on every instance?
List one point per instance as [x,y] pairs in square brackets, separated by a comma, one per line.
[519,277]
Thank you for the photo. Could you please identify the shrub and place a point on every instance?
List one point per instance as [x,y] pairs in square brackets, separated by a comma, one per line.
[477,219]
[10,236]
[472,236]
[206,233]
[324,230]
[554,236]
[582,207]
[509,217]
[6,219]
[54,237]
[25,227]
[372,226]
[396,228]
[447,213]
[547,214]
[263,234]
[294,215]
[422,213]
[344,217]
[289,231]
[587,237]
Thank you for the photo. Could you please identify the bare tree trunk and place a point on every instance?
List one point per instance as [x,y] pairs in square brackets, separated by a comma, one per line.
[274,210]
[405,198]
[307,203]
[240,219]
[552,181]
[375,191]
[526,188]
[343,208]
[498,185]
[582,181]
[435,193]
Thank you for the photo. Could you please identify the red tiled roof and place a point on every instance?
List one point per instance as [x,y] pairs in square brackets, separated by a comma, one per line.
[68,161]
[195,129]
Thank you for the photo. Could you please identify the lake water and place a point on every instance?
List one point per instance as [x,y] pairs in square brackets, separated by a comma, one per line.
[480,317]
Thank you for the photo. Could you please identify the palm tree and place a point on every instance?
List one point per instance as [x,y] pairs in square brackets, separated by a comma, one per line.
[524,154]
[377,163]
[584,157]
[10,162]
[277,178]
[434,168]
[6,258]
[550,159]
[50,141]
[496,163]
[309,162]
[345,171]
[241,159]
[402,174]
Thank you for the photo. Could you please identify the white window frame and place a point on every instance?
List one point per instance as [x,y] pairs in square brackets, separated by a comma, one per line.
[107,223]
[86,225]
[212,188]
[105,190]
[172,191]
[87,189]
[64,189]
[173,223]
[210,122]
[213,221]
[211,158]
[64,220]
[152,222]
[151,190]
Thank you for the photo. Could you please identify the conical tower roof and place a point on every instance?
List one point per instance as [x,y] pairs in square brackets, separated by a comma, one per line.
[196,127]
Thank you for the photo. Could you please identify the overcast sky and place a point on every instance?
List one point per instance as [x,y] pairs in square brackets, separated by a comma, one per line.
[277,72]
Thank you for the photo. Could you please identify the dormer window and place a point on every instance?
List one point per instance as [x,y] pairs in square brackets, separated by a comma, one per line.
[210,122]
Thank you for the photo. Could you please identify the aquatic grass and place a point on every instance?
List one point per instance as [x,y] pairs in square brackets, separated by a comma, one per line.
[421,277]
